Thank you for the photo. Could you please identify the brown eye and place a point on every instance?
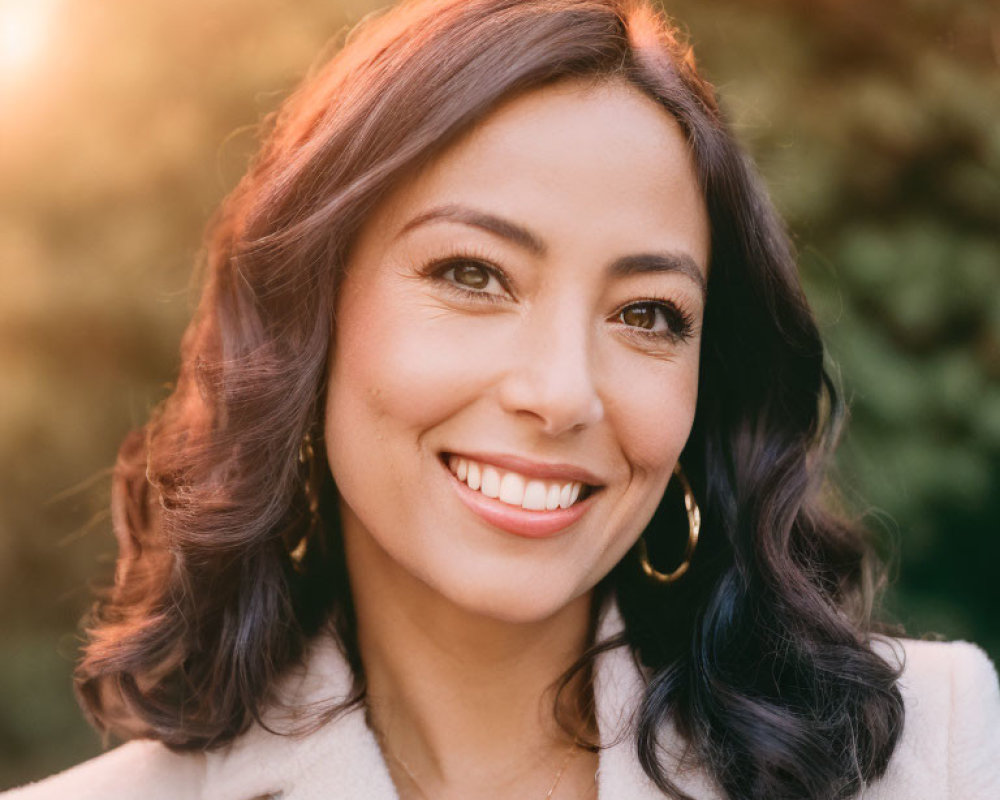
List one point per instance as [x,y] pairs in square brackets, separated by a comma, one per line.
[640,315]
[662,320]
[472,275]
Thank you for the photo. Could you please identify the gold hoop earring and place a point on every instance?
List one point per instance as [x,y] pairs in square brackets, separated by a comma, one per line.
[307,457]
[694,528]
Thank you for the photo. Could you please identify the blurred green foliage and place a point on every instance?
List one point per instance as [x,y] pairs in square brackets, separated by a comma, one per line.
[876,125]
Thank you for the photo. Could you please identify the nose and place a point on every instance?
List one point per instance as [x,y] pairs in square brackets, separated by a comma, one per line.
[551,375]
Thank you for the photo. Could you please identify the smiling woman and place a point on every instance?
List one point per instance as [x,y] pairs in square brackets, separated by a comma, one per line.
[498,282]
[503,332]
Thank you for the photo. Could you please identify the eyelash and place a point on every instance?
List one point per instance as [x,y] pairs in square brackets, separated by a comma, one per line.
[679,322]
[436,268]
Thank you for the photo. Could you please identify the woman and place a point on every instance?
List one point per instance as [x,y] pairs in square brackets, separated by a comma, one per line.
[414,523]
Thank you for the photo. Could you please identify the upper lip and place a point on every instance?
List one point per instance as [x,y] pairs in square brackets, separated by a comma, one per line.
[533,469]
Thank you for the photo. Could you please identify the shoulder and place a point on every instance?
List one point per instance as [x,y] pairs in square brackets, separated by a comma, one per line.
[950,743]
[951,682]
[142,769]
[269,760]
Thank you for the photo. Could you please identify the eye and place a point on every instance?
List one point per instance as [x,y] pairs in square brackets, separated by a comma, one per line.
[470,275]
[656,318]
[640,315]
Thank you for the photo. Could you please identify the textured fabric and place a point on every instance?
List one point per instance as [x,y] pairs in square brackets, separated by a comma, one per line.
[950,748]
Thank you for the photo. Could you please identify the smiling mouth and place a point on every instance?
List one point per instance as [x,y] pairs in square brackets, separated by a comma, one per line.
[515,489]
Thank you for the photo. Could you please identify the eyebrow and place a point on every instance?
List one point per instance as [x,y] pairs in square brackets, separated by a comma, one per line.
[635,264]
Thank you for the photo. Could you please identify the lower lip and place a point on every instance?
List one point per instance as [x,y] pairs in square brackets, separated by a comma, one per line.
[516,520]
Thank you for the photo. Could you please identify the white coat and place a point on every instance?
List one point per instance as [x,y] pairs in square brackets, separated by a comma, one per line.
[949,750]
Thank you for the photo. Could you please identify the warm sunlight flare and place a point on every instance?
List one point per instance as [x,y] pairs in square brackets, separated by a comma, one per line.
[24,29]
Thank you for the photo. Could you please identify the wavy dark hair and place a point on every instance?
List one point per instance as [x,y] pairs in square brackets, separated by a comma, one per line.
[761,655]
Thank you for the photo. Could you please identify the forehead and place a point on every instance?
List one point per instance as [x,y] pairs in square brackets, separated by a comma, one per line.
[567,159]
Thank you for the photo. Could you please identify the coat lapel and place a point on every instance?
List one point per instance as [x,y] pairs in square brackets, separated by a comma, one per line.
[342,760]
[338,761]
[619,683]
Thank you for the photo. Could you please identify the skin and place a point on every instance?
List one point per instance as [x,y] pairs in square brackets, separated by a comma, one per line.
[463,626]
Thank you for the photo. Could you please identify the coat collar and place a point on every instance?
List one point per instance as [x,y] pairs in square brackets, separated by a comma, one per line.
[342,758]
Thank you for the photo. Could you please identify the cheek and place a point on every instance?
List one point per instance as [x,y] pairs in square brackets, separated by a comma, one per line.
[651,413]
[398,364]
[653,410]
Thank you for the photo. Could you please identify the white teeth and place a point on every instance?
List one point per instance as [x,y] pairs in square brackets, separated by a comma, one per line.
[515,489]
[564,495]
[491,482]
[475,477]
[534,496]
[512,489]
[552,498]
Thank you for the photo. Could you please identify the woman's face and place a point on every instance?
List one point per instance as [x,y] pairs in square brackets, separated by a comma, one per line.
[528,305]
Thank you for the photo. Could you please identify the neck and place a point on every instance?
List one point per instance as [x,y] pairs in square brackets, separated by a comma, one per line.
[462,703]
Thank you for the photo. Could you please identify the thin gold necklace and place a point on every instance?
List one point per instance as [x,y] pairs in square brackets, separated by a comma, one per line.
[416,784]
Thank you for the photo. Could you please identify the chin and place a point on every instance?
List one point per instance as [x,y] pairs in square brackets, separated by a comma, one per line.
[497,597]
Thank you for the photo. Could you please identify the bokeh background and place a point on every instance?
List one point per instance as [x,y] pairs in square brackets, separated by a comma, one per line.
[123,123]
